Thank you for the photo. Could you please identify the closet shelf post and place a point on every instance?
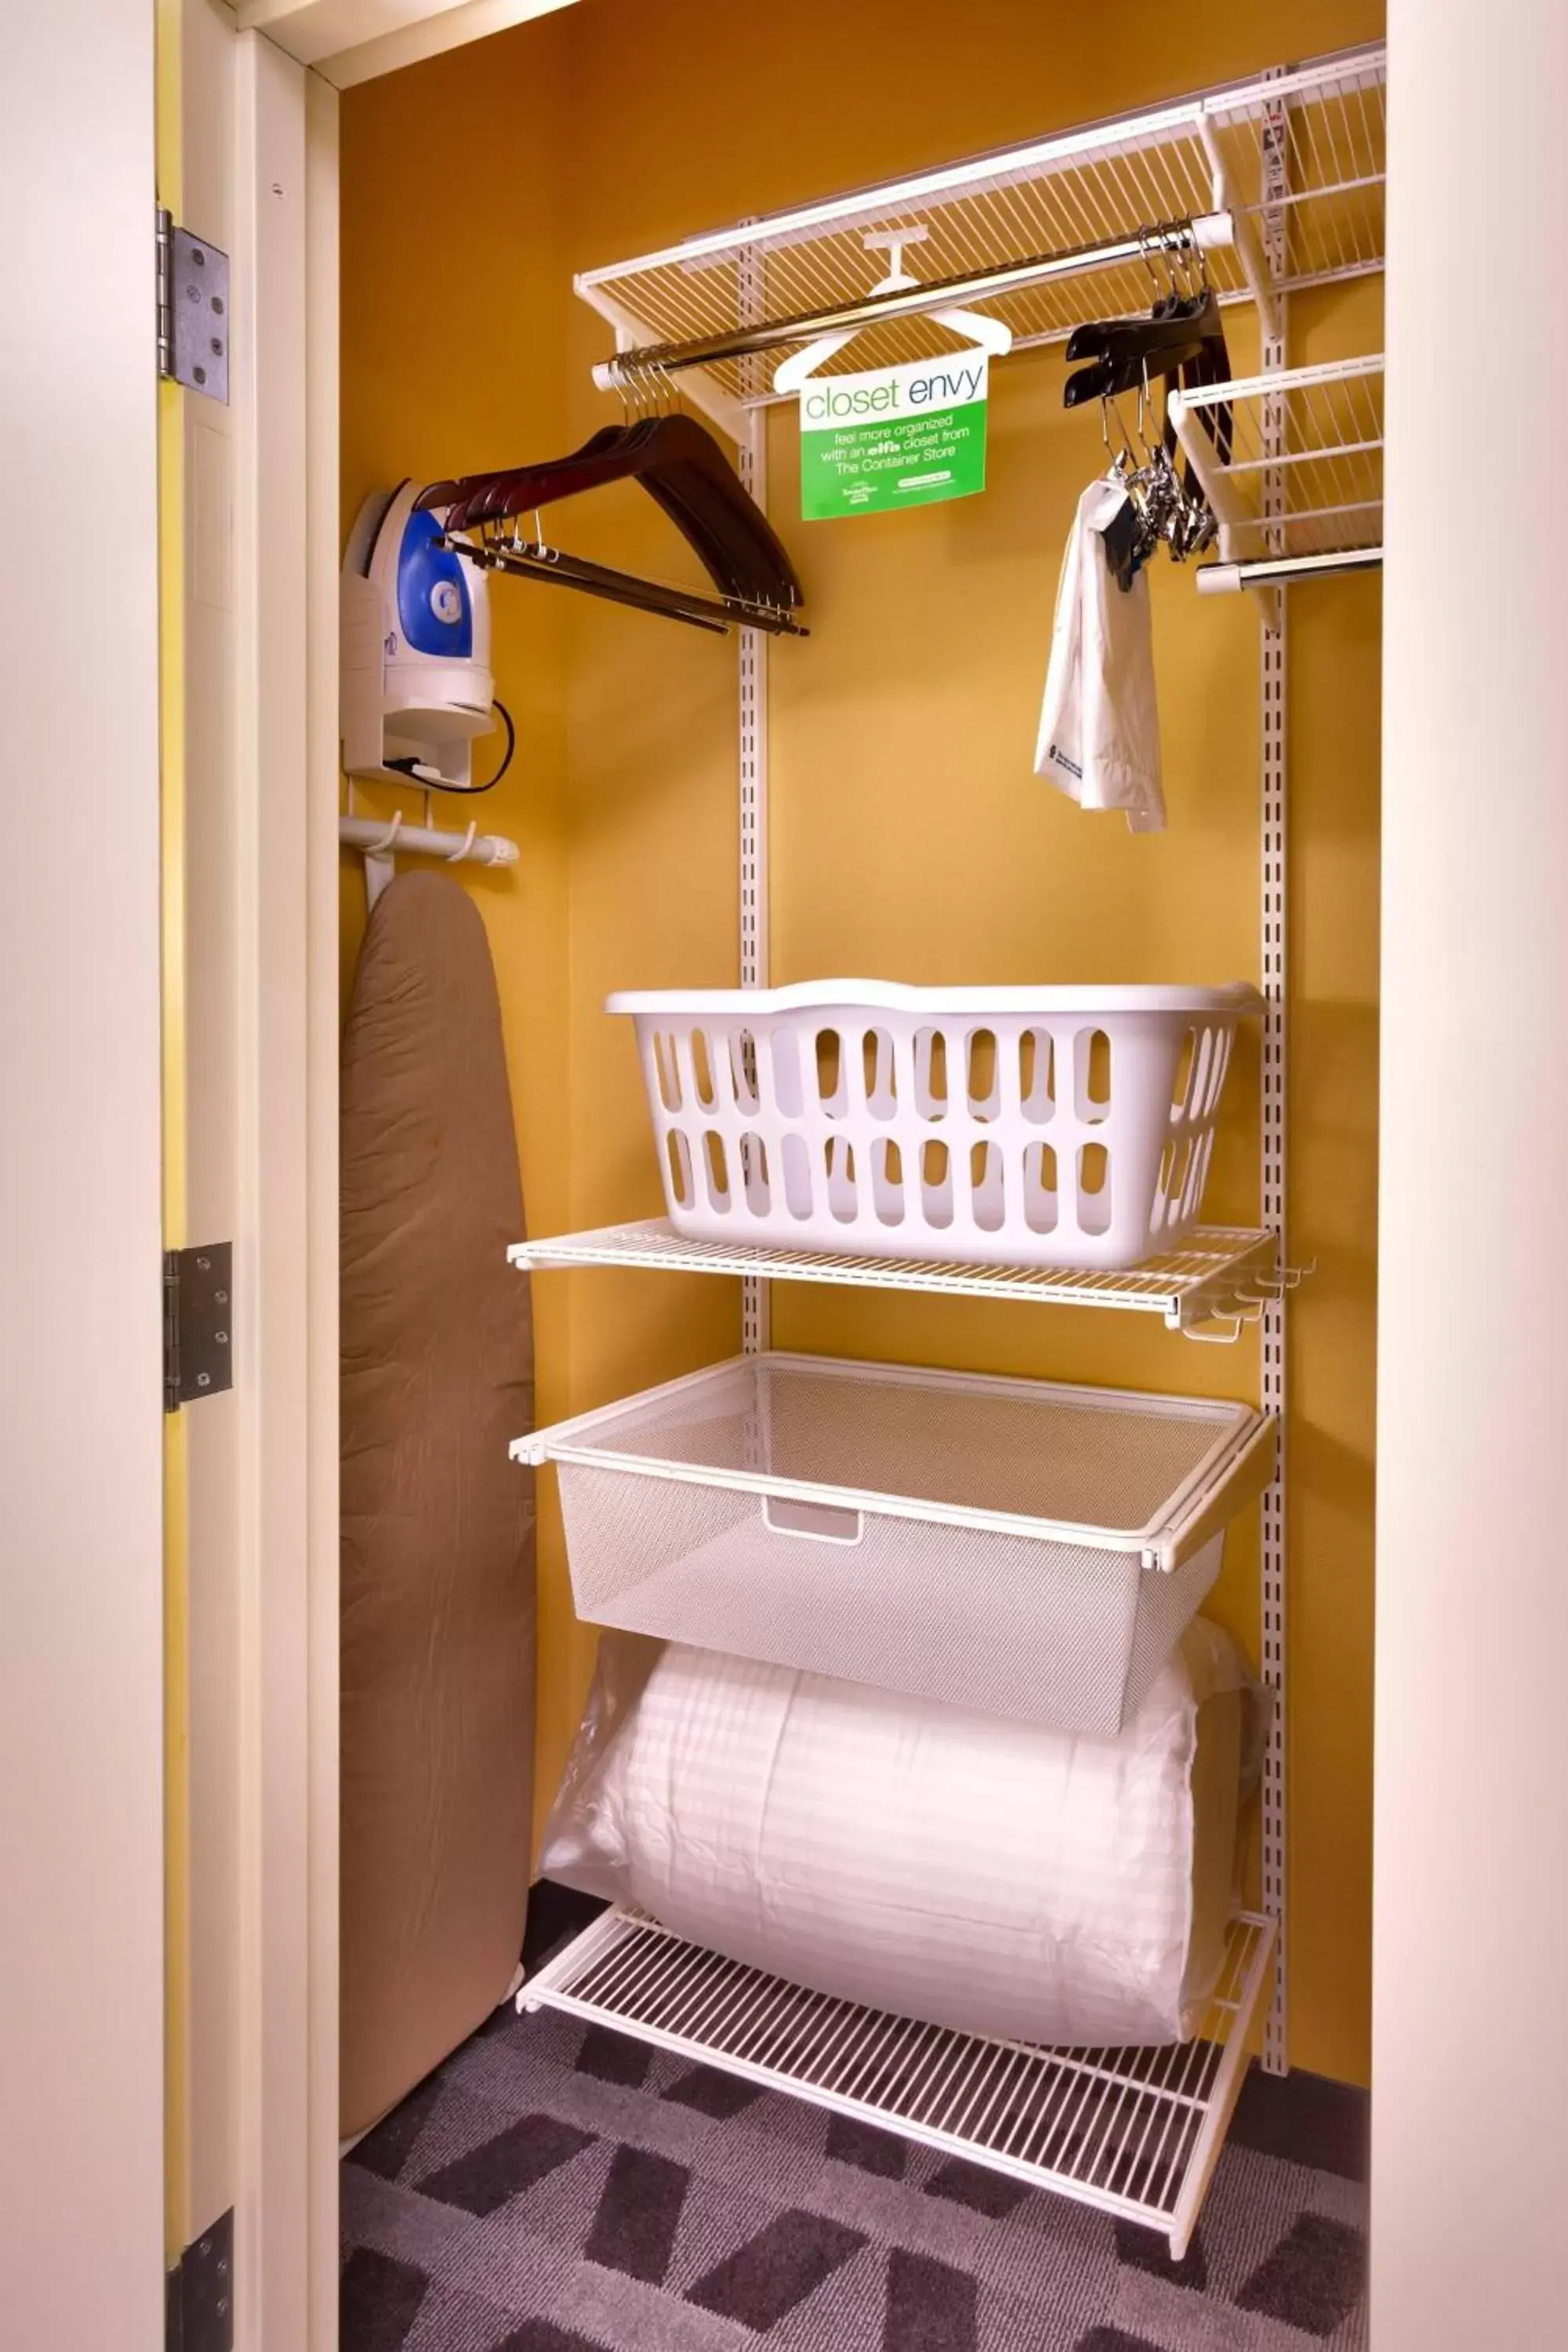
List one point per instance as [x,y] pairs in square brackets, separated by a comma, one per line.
[1275,974]
[756,1316]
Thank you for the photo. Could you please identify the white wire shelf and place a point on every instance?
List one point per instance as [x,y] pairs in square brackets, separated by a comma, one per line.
[1302,489]
[1096,186]
[1223,1278]
[1136,2133]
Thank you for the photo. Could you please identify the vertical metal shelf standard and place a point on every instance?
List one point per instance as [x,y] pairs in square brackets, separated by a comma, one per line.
[756,1317]
[1274,848]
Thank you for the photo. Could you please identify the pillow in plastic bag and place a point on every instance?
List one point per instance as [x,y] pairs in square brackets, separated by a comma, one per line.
[990,1875]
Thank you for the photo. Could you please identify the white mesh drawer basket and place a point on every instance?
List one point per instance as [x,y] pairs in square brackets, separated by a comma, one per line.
[1015,1545]
[1040,1127]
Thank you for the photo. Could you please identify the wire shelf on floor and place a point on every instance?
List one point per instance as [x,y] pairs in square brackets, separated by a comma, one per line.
[1223,1278]
[1304,475]
[1136,2133]
[1095,186]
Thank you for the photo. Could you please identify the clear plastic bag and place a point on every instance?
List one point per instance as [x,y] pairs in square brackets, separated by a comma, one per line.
[983,1874]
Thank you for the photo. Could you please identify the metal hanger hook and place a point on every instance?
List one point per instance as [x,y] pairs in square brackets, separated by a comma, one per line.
[1144,398]
[1108,409]
[1179,250]
[1182,267]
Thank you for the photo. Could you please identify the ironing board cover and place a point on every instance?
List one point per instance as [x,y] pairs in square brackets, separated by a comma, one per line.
[438,1525]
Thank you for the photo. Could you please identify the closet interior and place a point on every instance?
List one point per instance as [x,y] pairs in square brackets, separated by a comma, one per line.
[861,1513]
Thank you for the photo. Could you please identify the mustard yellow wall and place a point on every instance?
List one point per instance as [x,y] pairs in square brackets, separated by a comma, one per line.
[909,836]
[455,295]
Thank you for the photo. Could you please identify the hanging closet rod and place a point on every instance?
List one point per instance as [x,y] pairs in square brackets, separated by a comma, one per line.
[1204,234]
[1222,579]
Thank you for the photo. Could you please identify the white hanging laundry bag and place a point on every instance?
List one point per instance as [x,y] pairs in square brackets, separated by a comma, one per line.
[1099,725]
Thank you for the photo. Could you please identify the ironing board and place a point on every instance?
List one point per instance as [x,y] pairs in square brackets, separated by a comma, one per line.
[438,1529]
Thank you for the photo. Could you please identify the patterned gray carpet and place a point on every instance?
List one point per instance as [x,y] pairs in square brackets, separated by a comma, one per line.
[557,2188]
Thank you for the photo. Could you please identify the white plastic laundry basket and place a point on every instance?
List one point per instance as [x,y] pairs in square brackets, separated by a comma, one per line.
[1026,1548]
[1047,1127]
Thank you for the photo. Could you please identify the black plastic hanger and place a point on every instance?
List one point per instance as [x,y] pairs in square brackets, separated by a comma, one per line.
[1175,319]
[1107,379]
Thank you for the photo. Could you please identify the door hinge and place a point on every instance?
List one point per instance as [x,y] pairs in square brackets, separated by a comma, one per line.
[199,2302]
[199,1348]
[193,309]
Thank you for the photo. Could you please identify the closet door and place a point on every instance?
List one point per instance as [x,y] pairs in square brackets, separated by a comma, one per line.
[81,1419]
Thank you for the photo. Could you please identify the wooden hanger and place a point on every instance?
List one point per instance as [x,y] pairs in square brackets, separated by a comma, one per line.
[681,467]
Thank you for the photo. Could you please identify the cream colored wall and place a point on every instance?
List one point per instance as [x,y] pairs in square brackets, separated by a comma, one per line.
[1470,2166]
[909,836]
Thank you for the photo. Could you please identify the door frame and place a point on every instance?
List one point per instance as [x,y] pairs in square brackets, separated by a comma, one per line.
[280,701]
[346,42]
[275,2046]
[251,1122]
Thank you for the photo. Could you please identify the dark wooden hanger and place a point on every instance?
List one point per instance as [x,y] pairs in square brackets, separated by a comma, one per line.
[681,467]
[521,559]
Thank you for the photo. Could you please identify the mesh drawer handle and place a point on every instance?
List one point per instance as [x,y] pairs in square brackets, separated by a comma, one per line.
[817,1522]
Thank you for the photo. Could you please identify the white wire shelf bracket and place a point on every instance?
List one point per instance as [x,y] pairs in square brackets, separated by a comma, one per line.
[1039,221]
[1221,1280]
[1312,504]
[1136,2133]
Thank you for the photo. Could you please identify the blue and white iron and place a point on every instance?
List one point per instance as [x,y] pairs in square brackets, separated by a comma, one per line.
[416,686]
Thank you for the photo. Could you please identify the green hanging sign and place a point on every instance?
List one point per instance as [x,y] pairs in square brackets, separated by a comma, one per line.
[898,436]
